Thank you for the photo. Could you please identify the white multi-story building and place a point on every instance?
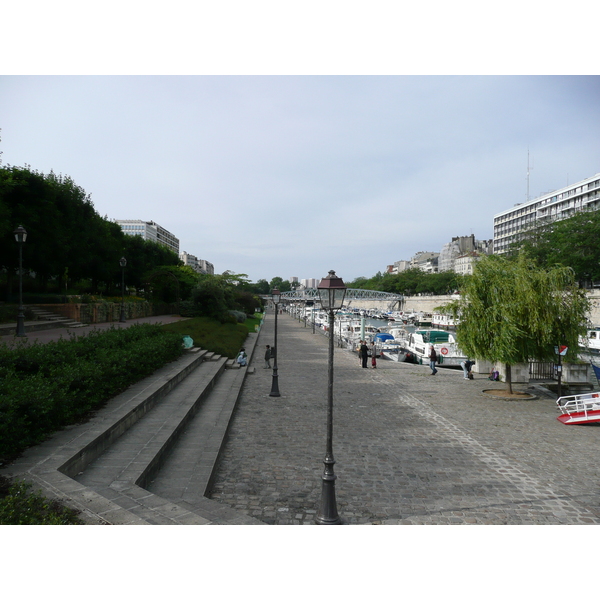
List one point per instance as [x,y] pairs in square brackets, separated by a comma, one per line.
[510,224]
[151,231]
[199,265]
[463,265]
[206,267]
[460,247]
[398,267]
[310,283]
[425,261]
[189,260]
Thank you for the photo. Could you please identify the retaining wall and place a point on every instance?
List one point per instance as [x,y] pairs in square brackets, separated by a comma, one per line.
[106,312]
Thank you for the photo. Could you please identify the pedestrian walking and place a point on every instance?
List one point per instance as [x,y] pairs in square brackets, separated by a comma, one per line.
[432,359]
[373,356]
[242,358]
[363,353]
[268,357]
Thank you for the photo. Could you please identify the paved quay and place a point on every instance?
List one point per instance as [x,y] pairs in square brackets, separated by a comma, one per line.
[54,333]
[410,448]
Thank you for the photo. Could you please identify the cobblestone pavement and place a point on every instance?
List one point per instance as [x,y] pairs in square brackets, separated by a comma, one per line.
[410,448]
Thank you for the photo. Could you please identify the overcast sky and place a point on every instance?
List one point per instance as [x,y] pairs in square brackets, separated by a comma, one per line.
[294,175]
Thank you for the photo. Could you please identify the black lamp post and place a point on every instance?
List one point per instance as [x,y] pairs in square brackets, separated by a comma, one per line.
[275,297]
[20,237]
[123,263]
[331,293]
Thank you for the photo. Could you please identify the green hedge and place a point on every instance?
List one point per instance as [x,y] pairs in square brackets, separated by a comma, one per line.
[47,386]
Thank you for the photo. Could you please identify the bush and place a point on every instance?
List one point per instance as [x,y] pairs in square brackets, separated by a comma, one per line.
[47,386]
[240,317]
[9,313]
[20,506]
[225,339]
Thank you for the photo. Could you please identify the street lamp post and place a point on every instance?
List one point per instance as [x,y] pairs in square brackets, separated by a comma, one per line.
[20,237]
[275,297]
[331,293]
[123,263]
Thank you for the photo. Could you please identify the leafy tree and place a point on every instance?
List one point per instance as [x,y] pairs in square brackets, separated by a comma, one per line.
[280,284]
[512,311]
[572,242]
[211,298]
[171,283]
[262,287]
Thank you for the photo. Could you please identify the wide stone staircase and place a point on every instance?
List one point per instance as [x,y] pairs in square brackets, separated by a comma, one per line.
[149,456]
[43,314]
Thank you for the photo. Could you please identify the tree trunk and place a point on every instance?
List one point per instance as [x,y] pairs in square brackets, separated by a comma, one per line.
[508,379]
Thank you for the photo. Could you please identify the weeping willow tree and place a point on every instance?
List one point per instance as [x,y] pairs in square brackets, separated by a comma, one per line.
[512,311]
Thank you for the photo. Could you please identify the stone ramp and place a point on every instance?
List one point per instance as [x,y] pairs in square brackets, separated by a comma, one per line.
[102,467]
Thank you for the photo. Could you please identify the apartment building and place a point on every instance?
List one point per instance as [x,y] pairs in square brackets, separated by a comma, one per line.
[461,246]
[149,230]
[511,224]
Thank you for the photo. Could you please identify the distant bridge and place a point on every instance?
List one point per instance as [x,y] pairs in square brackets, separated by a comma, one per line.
[312,294]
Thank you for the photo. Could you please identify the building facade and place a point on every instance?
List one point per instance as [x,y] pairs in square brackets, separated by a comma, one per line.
[460,247]
[425,261]
[206,267]
[149,230]
[511,224]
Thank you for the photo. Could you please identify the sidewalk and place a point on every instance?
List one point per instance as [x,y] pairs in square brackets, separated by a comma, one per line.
[411,448]
[54,333]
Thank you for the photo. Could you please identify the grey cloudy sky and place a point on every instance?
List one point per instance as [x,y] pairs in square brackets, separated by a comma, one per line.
[288,139]
[295,175]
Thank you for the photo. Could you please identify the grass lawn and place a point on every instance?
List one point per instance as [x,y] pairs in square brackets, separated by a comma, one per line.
[224,339]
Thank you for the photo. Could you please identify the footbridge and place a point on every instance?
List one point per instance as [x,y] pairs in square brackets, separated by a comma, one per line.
[354,297]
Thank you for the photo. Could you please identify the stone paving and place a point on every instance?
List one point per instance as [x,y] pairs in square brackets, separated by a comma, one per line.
[410,448]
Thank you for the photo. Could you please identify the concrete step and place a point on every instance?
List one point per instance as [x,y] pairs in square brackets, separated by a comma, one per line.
[188,470]
[44,314]
[139,450]
[108,466]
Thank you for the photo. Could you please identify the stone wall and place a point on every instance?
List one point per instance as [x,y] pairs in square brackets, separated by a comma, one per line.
[430,303]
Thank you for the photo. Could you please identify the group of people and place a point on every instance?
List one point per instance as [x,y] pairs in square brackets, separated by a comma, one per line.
[242,357]
[364,352]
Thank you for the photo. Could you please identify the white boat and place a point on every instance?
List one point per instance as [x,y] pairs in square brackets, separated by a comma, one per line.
[353,331]
[444,342]
[442,321]
[591,342]
[423,319]
[579,409]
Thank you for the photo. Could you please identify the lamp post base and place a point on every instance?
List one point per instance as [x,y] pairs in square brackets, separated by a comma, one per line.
[328,514]
[275,384]
[21,325]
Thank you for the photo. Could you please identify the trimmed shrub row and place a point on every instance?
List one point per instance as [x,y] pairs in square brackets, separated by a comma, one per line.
[47,386]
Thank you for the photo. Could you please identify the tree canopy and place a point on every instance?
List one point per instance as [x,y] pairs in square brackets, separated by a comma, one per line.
[66,236]
[410,282]
[572,242]
[511,311]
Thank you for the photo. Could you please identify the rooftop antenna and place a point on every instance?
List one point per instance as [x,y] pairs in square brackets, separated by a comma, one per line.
[529,168]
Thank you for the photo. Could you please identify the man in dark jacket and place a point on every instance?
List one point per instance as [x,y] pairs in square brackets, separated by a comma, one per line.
[364,354]
[432,359]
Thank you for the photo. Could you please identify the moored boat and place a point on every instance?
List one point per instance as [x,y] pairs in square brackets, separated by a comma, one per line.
[579,409]
[444,342]
[591,342]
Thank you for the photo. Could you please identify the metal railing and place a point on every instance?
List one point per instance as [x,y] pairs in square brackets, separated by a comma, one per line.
[542,370]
